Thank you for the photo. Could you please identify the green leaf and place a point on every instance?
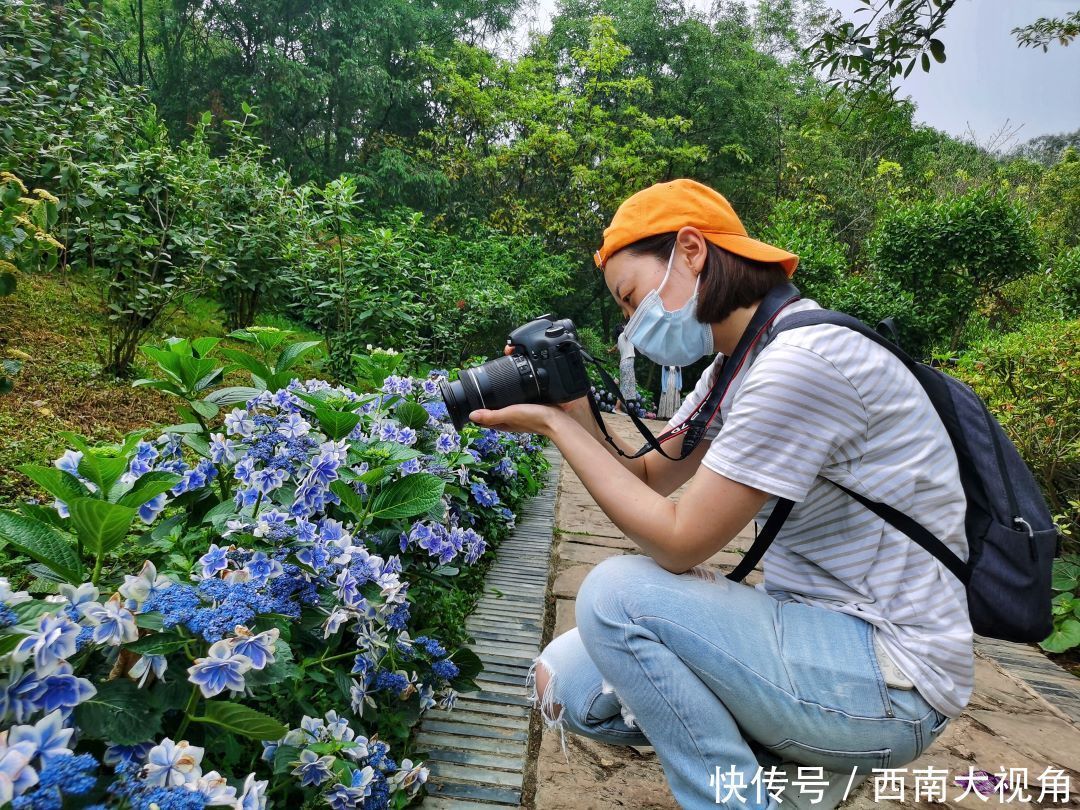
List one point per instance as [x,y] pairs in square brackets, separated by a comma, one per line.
[468,663]
[349,499]
[232,395]
[336,424]
[283,669]
[207,410]
[60,484]
[937,48]
[119,713]
[197,372]
[10,642]
[157,644]
[294,352]
[28,613]
[43,543]
[7,283]
[148,487]
[102,470]
[408,496]
[1065,636]
[411,414]
[101,526]
[259,372]
[242,720]
[150,621]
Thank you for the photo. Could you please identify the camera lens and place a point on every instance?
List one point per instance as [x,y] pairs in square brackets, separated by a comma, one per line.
[495,384]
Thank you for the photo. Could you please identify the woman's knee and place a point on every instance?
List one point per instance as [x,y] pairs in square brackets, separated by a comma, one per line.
[611,581]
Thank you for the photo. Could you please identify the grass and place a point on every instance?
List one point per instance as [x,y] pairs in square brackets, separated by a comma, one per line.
[58,322]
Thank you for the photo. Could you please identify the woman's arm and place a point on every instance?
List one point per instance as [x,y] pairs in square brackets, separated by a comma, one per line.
[677,535]
[662,475]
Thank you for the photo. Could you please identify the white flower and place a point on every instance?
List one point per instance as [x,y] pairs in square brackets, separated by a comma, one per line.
[140,587]
[80,597]
[253,796]
[214,787]
[172,764]
[113,623]
[10,597]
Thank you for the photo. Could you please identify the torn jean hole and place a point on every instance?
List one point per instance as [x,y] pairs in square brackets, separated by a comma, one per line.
[546,705]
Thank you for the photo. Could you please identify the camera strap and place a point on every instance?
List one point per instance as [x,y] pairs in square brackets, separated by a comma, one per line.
[694,426]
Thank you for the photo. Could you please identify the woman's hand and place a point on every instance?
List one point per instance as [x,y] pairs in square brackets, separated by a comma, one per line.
[523,418]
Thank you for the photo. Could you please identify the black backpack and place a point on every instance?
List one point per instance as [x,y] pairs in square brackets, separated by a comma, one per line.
[1012,540]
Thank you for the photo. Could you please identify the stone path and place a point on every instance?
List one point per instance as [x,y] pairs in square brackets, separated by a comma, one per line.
[1009,723]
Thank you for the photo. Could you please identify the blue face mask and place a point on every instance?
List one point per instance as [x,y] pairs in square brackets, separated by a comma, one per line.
[669,338]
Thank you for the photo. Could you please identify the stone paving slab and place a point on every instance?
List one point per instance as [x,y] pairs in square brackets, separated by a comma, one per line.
[1025,712]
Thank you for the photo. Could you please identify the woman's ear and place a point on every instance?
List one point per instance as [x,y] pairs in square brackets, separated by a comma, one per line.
[693,247]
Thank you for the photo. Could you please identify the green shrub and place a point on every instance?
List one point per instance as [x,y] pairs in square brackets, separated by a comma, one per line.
[945,255]
[1031,382]
[803,228]
[144,226]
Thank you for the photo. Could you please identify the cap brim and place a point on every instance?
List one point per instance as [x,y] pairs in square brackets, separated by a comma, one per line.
[753,249]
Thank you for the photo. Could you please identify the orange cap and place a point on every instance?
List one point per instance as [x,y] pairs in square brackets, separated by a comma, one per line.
[666,207]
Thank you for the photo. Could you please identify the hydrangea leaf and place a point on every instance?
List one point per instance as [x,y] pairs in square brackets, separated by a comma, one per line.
[294,352]
[242,720]
[411,414]
[119,713]
[232,395]
[149,486]
[59,483]
[157,644]
[42,543]
[336,424]
[349,499]
[283,669]
[102,470]
[412,495]
[101,526]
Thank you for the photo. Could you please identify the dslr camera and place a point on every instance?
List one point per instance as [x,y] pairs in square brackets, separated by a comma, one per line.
[546,366]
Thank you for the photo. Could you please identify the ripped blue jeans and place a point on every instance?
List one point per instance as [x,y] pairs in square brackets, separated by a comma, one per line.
[721,678]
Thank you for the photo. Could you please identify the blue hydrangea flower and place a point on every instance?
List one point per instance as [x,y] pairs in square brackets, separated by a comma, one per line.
[51,644]
[447,443]
[352,797]
[213,561]
[484,495]
[150,510]
[116,754]
[445,669]
[172,764]
[113,623]
[221,669]
[239,423]
[312,769]
[259,648]
[48,736]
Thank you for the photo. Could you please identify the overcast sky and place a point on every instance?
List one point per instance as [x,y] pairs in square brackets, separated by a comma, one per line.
[987,85]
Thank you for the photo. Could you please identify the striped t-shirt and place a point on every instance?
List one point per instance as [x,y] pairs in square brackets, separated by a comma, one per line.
[824,402]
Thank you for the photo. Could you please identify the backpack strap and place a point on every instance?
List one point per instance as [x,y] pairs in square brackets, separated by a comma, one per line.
[896,518]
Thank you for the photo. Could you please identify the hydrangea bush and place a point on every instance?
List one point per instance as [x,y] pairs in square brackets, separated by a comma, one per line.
[226,614]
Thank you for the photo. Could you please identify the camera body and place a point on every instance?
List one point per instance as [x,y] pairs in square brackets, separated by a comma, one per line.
[545,366]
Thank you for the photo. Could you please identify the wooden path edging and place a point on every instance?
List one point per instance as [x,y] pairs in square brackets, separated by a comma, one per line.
[477,751]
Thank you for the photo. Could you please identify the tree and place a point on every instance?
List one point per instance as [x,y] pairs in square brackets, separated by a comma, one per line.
[888,38]
[337,82]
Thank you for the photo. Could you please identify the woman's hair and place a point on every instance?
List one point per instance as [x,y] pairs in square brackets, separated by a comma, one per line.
[618,330]
[728,281]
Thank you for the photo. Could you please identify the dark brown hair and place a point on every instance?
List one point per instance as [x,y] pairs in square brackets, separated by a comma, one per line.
[728,281]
